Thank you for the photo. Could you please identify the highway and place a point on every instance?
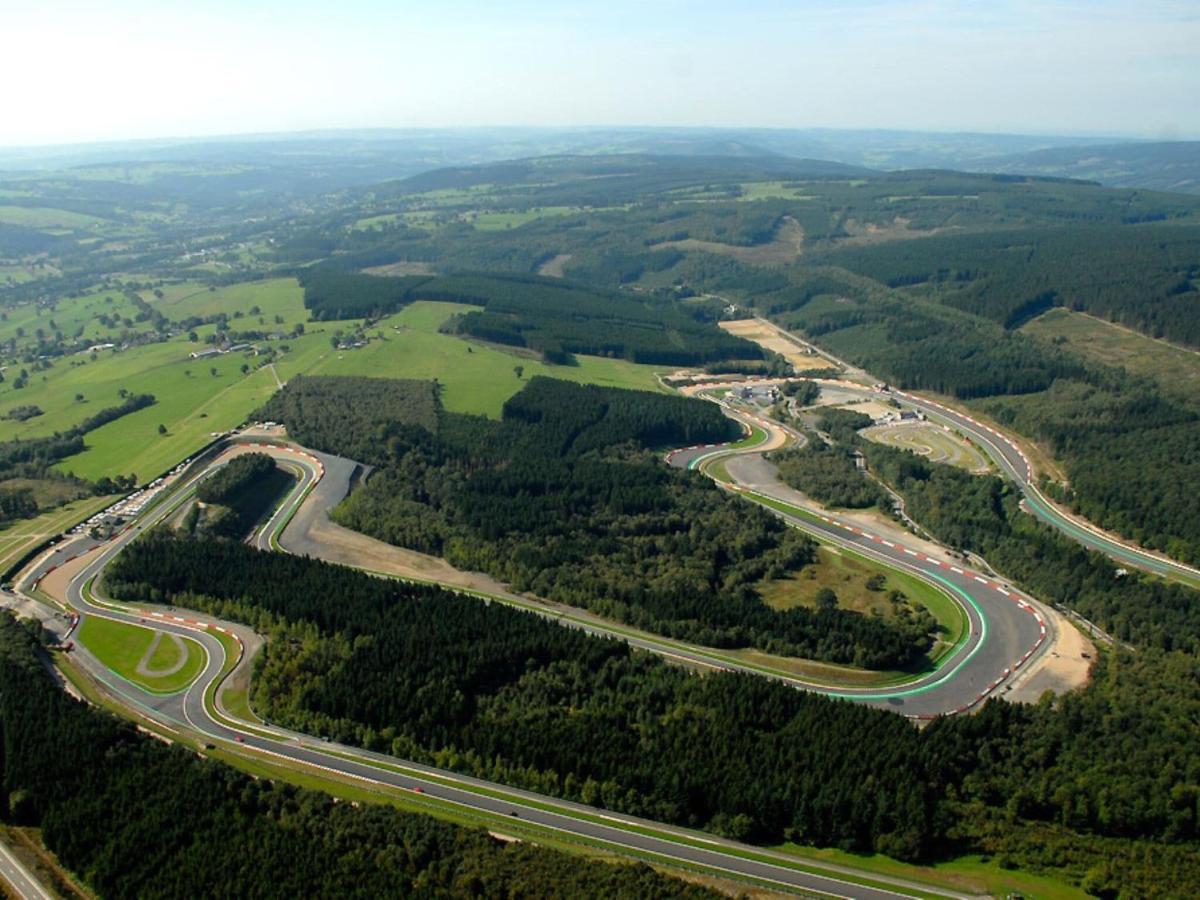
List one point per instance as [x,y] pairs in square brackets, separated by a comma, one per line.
[196,712]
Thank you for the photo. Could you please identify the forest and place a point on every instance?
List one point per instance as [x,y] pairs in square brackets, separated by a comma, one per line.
[237,496]
[1146,277]
[828,470]
[829,475]
[564,498]
[1101,786]
[200,825]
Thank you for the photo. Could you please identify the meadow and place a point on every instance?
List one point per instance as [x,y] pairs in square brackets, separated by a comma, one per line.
[475,377]
[45,217]
[137,655]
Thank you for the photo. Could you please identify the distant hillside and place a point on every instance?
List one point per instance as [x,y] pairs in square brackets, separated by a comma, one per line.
[632,176]
[1165,166]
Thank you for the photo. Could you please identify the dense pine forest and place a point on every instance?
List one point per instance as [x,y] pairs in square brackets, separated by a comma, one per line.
[1100,786]
[563,498]
[485,689]
[201,827]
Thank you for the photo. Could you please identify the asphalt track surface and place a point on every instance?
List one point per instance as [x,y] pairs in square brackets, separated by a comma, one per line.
[189,710]
[1015,465]
[1007,629]
[19,878]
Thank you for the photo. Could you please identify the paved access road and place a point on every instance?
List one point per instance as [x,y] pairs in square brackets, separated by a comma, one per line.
[195,711]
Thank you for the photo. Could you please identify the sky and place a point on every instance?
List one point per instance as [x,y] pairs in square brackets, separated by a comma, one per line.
[76,71]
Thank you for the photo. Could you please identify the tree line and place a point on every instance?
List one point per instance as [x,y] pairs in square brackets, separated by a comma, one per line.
[554,317]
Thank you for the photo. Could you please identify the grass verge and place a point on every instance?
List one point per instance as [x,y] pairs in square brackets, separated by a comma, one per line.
[122,647]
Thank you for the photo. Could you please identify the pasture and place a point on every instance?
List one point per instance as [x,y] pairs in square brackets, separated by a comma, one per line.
[47,218]
[196,398]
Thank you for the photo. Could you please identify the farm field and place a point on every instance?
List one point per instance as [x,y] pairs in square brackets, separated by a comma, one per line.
[138,655]
[45,217]
[193,402]
[476,378]
[769,190]
[73,316]
[274,297]
[500,219]
[1175,368]
[931,441]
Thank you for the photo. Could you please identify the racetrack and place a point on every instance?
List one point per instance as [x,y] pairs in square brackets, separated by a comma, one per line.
[196,712]
[1015,465]
[1007,629]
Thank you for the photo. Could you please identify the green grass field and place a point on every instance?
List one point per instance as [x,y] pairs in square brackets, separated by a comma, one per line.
[73,316]
[123,647]
[847,574]
[192,403]
[931,441]
[46,217]
[376,222]
[967,874]
[277,296]
[500,220]
[1175,368]
[476,378]
[769,190]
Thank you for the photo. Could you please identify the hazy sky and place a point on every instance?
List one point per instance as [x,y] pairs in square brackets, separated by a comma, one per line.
[112,69]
